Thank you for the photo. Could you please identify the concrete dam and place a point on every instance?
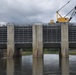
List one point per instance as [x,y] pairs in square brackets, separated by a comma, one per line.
[37,36]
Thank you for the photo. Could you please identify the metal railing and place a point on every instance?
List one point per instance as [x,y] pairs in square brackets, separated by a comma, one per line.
[72,33]
[51,33]
[23,34]
[3,34]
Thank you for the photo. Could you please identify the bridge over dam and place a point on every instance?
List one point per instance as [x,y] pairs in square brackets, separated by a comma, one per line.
[37,36]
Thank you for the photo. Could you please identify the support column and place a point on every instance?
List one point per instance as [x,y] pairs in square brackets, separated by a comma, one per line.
[10,40]
[1,53]
[64,41]
[18,52]
[37,40]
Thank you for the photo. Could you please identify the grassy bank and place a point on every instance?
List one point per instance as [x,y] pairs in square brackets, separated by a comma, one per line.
[27,53]
[30,53]
[48,52]
[72,53]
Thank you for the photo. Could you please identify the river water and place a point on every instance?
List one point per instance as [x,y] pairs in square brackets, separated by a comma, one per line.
[49,65]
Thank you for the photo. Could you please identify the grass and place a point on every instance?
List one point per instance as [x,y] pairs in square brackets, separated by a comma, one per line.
[51,52]
[71,52]
[48,52]
[27,53]
[45,52]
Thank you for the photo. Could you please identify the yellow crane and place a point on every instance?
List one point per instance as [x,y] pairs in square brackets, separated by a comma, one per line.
[60,18]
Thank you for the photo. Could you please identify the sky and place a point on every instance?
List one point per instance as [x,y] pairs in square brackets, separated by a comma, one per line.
[30,11]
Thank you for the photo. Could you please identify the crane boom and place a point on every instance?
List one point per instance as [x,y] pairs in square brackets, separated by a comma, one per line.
[60,18]
[57,12]
[73,13]
[64,5]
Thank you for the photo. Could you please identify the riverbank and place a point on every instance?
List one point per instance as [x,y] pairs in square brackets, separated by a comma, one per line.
[47,52]
[29,52]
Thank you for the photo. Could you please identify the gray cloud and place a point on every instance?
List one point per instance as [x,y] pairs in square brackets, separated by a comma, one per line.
[28,11]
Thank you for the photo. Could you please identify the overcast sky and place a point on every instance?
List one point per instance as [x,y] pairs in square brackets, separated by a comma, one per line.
[29,11]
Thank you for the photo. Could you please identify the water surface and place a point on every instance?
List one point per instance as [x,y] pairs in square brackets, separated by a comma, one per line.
[49,65]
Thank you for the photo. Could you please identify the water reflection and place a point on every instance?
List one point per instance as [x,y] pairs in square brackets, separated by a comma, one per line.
[2,67]
[18,66]
[37,66]
[13,67]
[10,66]
[65,66]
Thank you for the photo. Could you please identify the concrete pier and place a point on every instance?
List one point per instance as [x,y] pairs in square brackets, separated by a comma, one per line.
[10,40]
[64,40]
[11,50]
[37,40]
[1,53]
[18,52]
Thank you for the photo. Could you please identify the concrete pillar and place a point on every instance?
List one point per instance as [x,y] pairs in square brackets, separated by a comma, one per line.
[37,66]
[65,66]
[18,52]
[1,53]
[11,50]
[64,40]
[37,40]
[10,40]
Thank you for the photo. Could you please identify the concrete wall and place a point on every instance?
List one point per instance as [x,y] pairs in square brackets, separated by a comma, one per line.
[37,40]
[64,40]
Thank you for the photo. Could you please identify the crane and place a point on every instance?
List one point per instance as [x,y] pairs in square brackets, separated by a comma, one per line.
[65,18]
[73,13]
